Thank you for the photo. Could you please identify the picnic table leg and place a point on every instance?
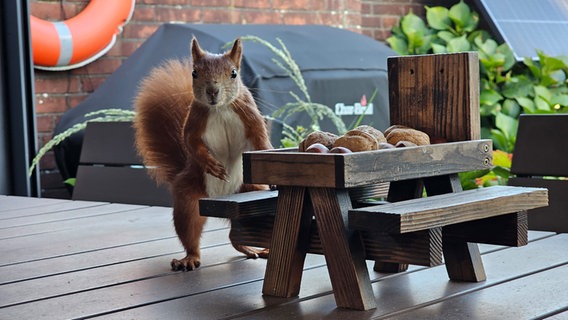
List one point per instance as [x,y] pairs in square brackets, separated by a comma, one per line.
[289,244]
[343,250]
[400,191]
[462,259]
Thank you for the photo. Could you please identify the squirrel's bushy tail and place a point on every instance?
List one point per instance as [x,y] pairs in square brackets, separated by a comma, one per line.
[161,105]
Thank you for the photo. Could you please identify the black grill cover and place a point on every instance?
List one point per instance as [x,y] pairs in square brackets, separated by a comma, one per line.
[339,67]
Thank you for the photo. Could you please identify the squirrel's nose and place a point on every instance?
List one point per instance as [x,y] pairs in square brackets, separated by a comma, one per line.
[212,90]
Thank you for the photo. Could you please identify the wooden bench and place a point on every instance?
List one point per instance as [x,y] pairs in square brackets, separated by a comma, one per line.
[111,170]
[539,160]
[495,215]
[313,211]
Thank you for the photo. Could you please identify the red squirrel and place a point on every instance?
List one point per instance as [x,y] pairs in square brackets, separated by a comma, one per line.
[194,119]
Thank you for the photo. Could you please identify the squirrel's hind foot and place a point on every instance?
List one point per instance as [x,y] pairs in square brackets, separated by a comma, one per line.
[252,253]
[188,263]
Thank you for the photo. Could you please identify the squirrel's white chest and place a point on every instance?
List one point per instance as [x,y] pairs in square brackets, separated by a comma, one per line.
[225,139]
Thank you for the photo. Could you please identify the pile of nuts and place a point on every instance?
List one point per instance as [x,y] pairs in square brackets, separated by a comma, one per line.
[363,138]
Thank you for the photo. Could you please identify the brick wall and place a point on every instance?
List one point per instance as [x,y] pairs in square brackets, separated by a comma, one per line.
[56,92]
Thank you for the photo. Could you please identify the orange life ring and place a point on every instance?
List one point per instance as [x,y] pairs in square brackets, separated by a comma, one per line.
[77,41]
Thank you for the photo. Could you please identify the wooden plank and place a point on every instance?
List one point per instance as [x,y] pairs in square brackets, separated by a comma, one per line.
[8,204]
[45,211]
[109,143]
[240,205]
[541,142]
[394,293]
[120,252]
[289,243]
[343,250]
[100,231]
[400,191]
[419,248]
[59,220]
[119,184]
[436,93]
[364,168]
[109,273]
[521,298]
[555,216]
[506,230]
[441,210]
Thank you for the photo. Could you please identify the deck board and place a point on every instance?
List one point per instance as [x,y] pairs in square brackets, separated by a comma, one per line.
[75,259]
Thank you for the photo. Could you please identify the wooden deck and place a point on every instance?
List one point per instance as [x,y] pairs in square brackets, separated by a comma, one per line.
[64,259]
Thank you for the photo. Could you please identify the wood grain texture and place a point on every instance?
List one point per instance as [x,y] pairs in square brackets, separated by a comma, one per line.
[438,94]
[365,168]
[343,250]
[463,261]
[120,270]
[289,243]
[446,209]
[506,230]
[418,248]
[240,205]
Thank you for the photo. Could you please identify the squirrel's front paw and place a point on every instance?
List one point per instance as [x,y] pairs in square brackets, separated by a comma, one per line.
[217,170]
[186,264]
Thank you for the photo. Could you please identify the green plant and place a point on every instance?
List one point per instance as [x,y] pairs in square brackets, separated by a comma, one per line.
[301,104]
[104,115]
[507,88]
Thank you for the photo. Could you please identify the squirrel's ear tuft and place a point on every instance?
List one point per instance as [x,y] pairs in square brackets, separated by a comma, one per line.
[196,51]
[236,53]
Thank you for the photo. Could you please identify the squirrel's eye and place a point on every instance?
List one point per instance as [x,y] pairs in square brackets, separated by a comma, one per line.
[233,73]
[194,74]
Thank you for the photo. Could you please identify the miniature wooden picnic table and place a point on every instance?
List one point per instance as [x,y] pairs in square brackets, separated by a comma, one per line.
[317,186]
[314,212]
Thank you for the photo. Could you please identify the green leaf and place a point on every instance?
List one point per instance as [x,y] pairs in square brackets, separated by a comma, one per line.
[527,104]
[71,181]
[414,28]
[488,47]
[553,78]
[399,45]
[541,104]
[460,14]
[437,18]
[510,60]
[519,88]
[472,22]
[534,69]
[438,48]
[459,45]
[561,99]
[446,36]
[499,139]
[549,63]
[502,172]
[511,108]
[489,97]
[543,92]
[508,125]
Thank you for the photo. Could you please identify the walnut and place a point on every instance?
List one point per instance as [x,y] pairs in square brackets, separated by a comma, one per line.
[408,134]
[325,138]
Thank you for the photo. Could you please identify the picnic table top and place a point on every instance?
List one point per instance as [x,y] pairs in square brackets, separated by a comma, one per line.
[62,259]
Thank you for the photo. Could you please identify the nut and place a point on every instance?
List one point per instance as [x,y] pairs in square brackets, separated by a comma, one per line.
[325,138]
[377,134]
[317,148]
[408,134]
